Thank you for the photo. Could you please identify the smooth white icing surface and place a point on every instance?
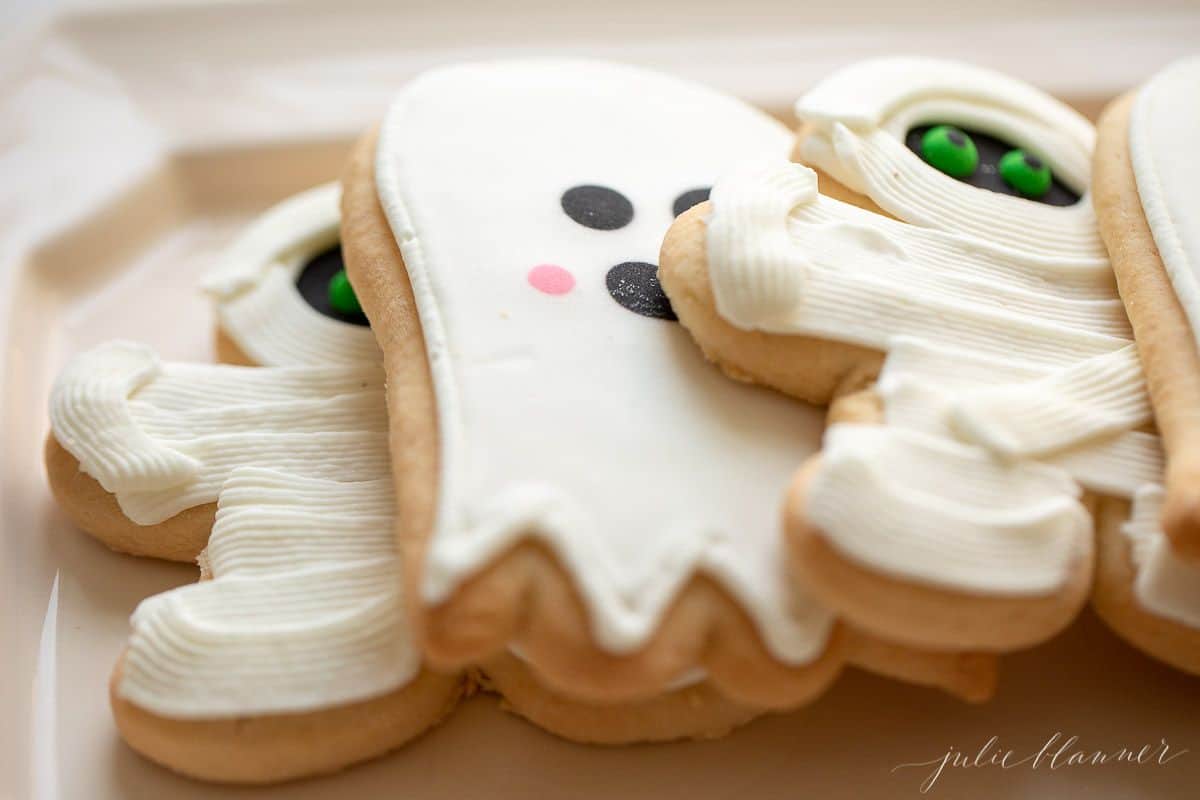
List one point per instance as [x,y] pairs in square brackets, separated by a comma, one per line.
[164,437]
[1166,584]
[1164,129]
[569,418]
[254,287]
[303,609]
[1004,332]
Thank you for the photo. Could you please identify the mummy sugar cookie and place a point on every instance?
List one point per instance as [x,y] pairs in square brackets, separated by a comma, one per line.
[293,657]
[1147,198]
[980,371]
[575,481]
[281,293]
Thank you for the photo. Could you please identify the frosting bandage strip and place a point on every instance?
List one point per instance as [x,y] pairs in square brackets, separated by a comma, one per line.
[168,442]
[303,609]
[944,513]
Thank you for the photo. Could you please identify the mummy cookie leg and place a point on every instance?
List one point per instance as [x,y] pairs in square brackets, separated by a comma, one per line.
[292,657]
[562,454]
[1147,200]
[984,320]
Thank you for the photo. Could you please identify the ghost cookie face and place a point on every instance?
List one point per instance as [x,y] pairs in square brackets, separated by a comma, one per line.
[961,320]
[281,294]
[576,486]
[1147,198]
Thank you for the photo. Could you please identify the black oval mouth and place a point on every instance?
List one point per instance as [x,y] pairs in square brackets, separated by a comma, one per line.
[634,285]
[313,285]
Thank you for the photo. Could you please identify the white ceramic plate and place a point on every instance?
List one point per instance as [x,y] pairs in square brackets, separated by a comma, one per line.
[133,143]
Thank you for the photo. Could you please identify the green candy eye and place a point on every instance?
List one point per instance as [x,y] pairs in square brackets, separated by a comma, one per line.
[950,150]
[341,294]
[1026,173]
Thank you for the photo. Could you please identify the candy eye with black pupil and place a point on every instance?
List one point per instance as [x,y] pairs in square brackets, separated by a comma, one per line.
[950,150]
[690,198]
[341,294]
[1027,174]
[321,287]
[597,207]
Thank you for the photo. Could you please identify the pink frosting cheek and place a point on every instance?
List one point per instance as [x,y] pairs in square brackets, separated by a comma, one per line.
[551,279]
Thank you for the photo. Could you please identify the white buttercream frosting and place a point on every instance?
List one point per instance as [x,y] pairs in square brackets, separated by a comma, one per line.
[254,287]
[303,609]
[569,418]
[163,437]
[931,509]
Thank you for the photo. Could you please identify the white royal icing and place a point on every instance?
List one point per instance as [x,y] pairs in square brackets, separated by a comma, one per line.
[254,287]
[303,609]
[999,316]
[1164,129]
[568,418]
[163,437]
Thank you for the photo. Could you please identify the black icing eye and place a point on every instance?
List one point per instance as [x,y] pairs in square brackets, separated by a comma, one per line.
[690,198]
[314,285]
[597,207]
[999,166]
[634,284]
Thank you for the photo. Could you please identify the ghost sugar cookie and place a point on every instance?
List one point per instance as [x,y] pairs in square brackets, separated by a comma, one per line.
[579,493]
[956,311]
[280,290]
[1147,198]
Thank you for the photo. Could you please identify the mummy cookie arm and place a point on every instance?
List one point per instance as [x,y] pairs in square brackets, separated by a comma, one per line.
[867,279]
[1096,398]
[91,417]
[263,316]
[164,436]
[1146,199]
